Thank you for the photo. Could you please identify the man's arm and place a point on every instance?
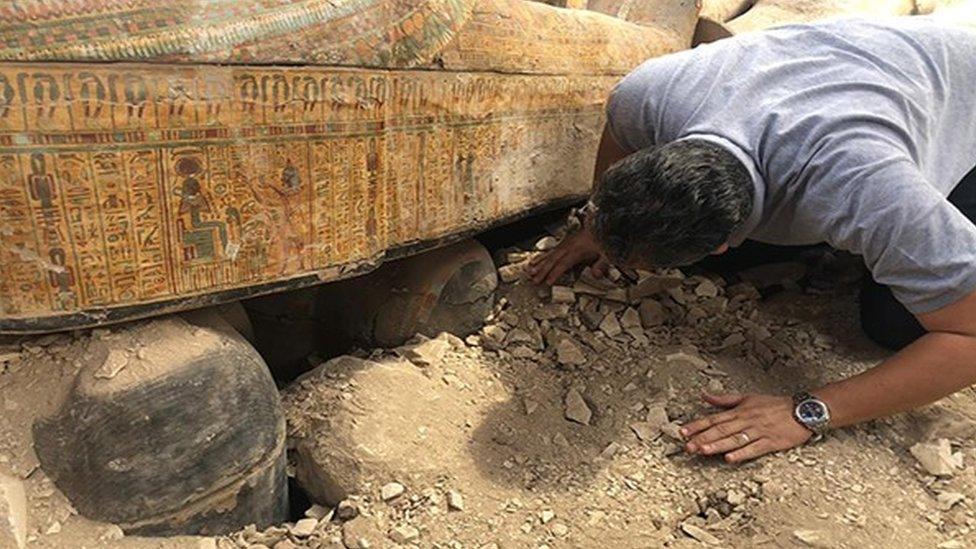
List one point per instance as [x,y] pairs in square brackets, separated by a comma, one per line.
[580,246]
[608,153]
[936,365]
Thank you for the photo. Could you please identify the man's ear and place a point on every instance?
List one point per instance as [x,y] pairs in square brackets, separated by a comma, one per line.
[721,249]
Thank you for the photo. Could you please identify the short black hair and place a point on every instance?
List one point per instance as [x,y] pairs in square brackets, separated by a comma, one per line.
[671,205]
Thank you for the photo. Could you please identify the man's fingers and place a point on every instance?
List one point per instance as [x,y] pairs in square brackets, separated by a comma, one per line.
[701,424]
[543,257]
[563,264]
[699,442]
[732,442]
[758,448]
[540,270]
[723,401]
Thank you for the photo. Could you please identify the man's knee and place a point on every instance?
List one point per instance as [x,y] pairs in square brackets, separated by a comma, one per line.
[886,321]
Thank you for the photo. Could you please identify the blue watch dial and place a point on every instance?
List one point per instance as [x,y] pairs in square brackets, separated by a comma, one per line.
[811,411]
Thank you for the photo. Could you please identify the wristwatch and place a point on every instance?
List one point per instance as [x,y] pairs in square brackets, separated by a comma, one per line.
[812,413]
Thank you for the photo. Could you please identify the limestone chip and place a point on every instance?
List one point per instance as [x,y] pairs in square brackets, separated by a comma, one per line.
[304,527]
[937,458]
[426,352]
[563,294]
[569,354]
[546,243]
[455,501]
[699,533]
[652,313]
[630,319]
[644,431]
[391,490]
[13,512]
[657,417]
[577,409]
[611,326]
[404,534]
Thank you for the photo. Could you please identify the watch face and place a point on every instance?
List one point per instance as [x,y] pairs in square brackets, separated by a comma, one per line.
[811,411]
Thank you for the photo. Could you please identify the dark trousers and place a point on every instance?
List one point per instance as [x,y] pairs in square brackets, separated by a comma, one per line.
[886,321]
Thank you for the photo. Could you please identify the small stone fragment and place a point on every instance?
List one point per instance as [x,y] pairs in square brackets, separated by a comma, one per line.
[13,513]
[510,273]
[551,311]
[715,387]
[672,430]
[810,538]
[427,352]
[630,319]
[530,406]
[699,534]
[706,289]
[404,534]
[610,326]
[347,510]
[732,340]
[686,360]
[569,354]
[391,491]
[735,497]
[617,294]
[546,243]
[318,512]
[112,533]
[948,499]
[493,337]
[115,362]
[283,544]
[951,544]
[644,431]
[576,408]
[611,450]
[560,530]
[455,502]
[652,313]
[304,527]
[937,459]
[657,417]
[546,516]
[563,294]
[650,285]
[592,318]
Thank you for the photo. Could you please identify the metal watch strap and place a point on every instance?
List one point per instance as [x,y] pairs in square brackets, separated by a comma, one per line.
[800,397]
[818,431]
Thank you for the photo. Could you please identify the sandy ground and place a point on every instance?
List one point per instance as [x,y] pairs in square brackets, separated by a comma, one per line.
[492,447]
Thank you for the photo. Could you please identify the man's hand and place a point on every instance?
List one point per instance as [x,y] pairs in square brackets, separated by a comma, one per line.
[576,248]
[750,426]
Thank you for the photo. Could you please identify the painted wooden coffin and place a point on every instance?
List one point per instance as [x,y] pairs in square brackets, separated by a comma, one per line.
[158,156]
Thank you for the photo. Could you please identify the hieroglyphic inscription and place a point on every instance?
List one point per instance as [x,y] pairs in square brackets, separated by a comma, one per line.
[133,184]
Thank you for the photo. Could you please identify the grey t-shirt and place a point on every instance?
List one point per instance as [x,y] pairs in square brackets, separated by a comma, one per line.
[855,131]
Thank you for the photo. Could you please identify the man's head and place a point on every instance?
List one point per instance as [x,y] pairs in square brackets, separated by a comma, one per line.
[671,205]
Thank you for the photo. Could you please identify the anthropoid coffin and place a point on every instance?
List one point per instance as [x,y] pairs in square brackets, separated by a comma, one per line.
[158,156]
